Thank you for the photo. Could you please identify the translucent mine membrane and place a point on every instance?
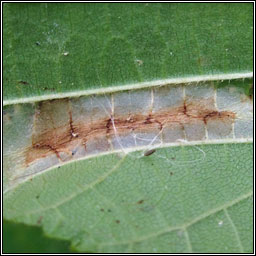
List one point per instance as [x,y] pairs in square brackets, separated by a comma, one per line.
[49,116]
[169,97]
[231,98]
[204,94]
[127,105]
[52,120]
[17,130]
[166,97]
[87,112]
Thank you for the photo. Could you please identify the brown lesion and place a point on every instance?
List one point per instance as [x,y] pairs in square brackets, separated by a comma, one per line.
[108,125]
[61,138]
[184,108]
[71,125]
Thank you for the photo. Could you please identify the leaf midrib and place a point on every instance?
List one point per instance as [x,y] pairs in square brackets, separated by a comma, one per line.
[125,87]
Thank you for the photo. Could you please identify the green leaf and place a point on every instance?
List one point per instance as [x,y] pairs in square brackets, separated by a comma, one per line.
[25,239]
[110,205]
[116,44]
[125,73]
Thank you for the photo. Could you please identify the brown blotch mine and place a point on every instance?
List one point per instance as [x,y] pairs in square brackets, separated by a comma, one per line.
[60,139]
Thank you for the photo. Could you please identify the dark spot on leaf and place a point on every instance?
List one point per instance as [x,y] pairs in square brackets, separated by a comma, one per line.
[149,152]
[37,43]
[140,202]
[109,210]
[171,173]
[102,209]
[23,82]
[117,221]
[37,196]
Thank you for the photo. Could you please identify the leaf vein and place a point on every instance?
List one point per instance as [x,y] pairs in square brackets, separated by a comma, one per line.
[235,230]
[188,224]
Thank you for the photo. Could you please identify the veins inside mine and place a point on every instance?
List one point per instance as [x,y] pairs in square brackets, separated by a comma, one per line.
[57,131]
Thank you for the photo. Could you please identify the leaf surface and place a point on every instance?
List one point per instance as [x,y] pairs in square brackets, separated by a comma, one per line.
[193,196]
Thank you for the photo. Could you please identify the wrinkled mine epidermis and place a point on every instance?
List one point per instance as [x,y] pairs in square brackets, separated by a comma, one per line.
[41,135]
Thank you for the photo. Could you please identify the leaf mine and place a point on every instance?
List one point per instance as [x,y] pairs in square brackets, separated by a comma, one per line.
[52,132]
